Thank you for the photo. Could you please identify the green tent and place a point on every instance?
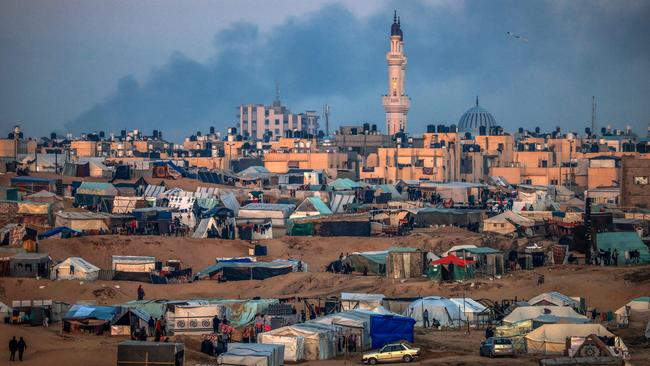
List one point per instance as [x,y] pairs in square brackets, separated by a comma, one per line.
[302,229]
[623,241]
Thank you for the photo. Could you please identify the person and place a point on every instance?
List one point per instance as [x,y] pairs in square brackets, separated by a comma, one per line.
[140,292]
[13,346]
[615,257]
[158,331]
[163,325]
[215,324]
[56,274]
[22,346]
[489,331]
[71,271]
[594,314]
[425,319]
[151,323]
[303,316]
[143,334]
[365,270]
[540,280]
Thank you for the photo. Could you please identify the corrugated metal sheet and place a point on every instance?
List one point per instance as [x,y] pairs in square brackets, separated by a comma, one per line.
[340,201]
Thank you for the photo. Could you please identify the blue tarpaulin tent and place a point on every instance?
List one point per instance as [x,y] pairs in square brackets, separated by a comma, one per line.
[61,231]
[385,329]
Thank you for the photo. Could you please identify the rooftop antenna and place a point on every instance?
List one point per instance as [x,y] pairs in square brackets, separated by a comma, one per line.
[326,116]
[593,114]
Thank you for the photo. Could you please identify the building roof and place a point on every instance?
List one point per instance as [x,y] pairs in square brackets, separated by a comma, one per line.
[475,118]
[314,204]
[97,188]
[269,206]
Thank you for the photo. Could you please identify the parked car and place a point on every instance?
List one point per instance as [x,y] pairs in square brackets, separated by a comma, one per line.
[496,346]
[395,352]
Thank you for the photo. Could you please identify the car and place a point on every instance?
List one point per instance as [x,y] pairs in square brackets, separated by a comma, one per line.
[497,346]
[394,352]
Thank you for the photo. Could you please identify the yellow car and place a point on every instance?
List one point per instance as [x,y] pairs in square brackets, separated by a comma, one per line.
[395,352]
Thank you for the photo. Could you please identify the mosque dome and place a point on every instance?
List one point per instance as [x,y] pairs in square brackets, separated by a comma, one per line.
[475,117]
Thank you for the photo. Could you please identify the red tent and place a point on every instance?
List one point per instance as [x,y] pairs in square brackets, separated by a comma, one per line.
[452,259]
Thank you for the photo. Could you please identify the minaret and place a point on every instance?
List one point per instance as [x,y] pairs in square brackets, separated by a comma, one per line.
[396,102]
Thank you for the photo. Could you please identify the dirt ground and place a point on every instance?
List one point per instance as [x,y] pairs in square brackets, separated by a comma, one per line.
[607,288]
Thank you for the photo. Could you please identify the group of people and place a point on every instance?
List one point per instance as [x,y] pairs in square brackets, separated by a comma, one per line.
[426,323]
[19,346]
[605,257]
[217,342]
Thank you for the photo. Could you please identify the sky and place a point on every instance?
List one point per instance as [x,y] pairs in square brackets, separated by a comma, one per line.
[183,66]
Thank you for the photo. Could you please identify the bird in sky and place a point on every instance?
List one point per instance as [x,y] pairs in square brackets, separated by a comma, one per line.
[517,36]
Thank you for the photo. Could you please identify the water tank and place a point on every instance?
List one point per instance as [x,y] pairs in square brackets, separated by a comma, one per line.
[431,129]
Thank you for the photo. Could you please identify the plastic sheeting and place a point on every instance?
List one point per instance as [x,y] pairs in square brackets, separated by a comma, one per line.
[533,312]
[551,338]
[443,216]
[386,329]
[83,270]
[445,311]
[293,346]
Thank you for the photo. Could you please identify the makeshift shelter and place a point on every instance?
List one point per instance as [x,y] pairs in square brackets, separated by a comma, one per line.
[505,222]
[192,317]
[277,212]
[205,227]
[373,262]
[129,321]
[430,216]
[311,341]
[360,301]
[551,338]
[76,169]
[533,312]
[625,242]
[30,265]
[126,205]
[135,353]
[340,201]
[5,312]
[253,354]
[385,329]
[44,197]
[85,221]
[487,261]
[132,263]
[554,298]
[92,319]
[451,268]
[352,322]
[31,185]
[153,219]
[403,263]
[241,271]
[254,229]
[97,168]
[463,193]
[443,310]
[475,312]
[166,170]
[75,268]
[62,232]
[311,206]
[331,225]
[635,313]
[96,195]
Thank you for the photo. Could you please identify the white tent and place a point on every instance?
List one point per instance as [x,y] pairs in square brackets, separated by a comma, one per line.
[551,338]
[5,310]
[204,226]
[253,354]
[356,321]
[532,312]
[445,311]
[75,268]
[319,340]
[193,318]
[553,298]
[132,263]
[293,345]
[352,301]
[470,307]
[502,223]
[634,312]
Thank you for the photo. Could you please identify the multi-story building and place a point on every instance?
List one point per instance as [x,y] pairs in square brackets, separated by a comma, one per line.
[396,102]
[635,182]
[257,121]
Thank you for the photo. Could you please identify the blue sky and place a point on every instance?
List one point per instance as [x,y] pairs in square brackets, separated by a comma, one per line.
[182,66]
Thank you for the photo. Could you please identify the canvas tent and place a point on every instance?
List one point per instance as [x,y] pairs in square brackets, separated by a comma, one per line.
[75,268]
[311,206]
[318,340]
[551,338]
[253,354]
[130,320]
[30,265]
[634,313]
[374,262]
[351,321]
[241,271]
[534,312]
[451,268]
[445,311]
[277,212]
[553,298]
[360,301]
[430,216]
[132,263]
[204,228]
[503,223]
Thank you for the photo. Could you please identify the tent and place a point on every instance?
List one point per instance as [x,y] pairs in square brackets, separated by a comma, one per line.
[126,205]
[96,194]
[75,268]
[634,313]
[451,268]
[93,319]
[311,206]
[5,311]
[447,216]
[534,312]
[77,169]
[240,271]
[354,301]
[277,212]
[374,262]
[503,223]
[130,320]
[204,228]
[318,340]
[293,345]
[386,329]
[625,242]
[253,354]
[474,311]
[553,298]
[132,263]
[448,313]
[134,353]
[30,265]
[551,338]
[44,197]
[351,321]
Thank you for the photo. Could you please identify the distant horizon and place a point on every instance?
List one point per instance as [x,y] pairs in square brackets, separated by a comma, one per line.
[92,66]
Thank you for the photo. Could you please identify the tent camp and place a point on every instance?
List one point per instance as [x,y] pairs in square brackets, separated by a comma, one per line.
[75,268]
[311,206]
[253,354]
[305,341]
[448,313]
[533,312]
[551,338]
[503,223]
[625,242]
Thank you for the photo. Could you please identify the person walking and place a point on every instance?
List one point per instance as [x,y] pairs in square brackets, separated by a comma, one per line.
[140,292]
[22,347]
[13,346]
[163,325]
[425,319]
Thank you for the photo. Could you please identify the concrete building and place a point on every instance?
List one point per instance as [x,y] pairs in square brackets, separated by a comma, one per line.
[258,120]
[635,182]
[396,102]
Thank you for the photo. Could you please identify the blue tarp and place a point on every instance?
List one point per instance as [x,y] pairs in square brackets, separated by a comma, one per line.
[385,329]
[106,313]
[63,230]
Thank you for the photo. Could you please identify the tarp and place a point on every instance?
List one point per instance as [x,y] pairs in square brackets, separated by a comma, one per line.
[551,338]
[204,226]
[97,189]
[386,329]
[374,262]
[624,242]
[533,312]
[83,270]
[253,354]
[79,312]
[447,216]
[341,201]
[553,298]
[445,311]
[293,345]
[319,339]
[311,206]
[239,271]
[502,223]
[128,263]
[353,301]
[33,208]
[452,259]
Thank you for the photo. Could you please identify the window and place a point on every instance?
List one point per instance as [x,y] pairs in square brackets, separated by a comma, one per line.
[554,182]
[641,180]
